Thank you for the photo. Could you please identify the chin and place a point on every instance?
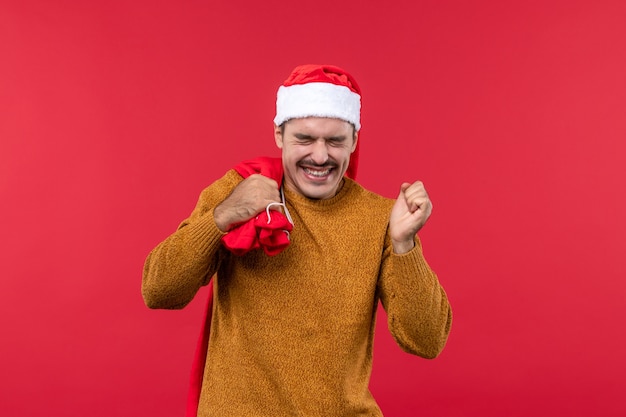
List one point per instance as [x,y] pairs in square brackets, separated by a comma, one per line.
[318,193]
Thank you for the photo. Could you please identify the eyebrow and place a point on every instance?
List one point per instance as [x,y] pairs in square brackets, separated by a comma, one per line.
[304,136]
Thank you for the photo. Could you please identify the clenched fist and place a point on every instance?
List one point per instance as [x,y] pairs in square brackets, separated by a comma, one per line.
[409,213]
[250,197]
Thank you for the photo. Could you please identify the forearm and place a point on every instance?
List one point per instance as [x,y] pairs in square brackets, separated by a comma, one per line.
[419,314]
[176,269]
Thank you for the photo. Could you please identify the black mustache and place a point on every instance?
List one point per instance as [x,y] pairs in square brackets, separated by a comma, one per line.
[328,164]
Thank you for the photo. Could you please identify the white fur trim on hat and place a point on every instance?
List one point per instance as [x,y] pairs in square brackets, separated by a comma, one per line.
[318,99]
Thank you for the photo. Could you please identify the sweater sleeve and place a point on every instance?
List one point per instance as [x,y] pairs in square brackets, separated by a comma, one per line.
[179,266]
[418,311]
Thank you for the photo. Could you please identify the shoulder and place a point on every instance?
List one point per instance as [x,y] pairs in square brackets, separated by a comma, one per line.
[227,182]
[215,193]
[362,196]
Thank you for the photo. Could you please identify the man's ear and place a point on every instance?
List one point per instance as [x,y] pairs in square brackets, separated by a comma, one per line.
[278,136]
[356,139]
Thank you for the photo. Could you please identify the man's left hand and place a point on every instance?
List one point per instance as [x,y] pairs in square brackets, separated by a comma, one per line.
[408,216]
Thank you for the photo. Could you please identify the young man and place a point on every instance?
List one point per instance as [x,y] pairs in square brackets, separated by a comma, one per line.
[299,255]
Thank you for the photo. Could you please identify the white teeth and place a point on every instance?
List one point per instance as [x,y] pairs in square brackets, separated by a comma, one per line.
[317,173]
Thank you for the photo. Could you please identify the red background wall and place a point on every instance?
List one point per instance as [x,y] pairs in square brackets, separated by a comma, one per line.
[114,115]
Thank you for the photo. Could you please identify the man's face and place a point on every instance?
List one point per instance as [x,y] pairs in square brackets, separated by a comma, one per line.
[316,153]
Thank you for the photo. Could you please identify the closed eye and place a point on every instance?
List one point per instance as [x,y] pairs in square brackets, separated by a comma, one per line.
[336,141]
[303,138]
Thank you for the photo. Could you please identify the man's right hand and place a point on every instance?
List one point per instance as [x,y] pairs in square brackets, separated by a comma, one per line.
[248,199]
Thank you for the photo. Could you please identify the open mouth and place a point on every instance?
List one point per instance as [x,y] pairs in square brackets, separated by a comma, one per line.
[317,173]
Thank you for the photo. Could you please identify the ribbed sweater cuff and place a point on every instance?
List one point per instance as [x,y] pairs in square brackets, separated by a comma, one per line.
[415,255]
[205,237]
[411,265]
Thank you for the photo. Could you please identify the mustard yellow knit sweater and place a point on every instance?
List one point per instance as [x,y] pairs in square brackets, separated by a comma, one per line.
[292,334]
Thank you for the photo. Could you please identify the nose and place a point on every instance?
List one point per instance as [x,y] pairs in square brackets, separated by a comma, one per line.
[319,152]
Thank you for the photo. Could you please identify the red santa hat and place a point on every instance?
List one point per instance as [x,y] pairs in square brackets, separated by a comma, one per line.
[321,91]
